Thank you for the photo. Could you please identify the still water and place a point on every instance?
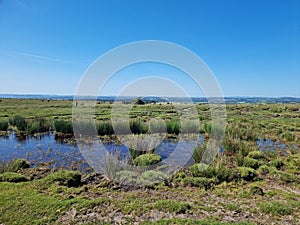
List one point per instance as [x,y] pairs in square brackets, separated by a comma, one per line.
[46,148]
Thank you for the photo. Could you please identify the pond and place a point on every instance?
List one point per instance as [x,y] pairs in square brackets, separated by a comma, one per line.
[48,149]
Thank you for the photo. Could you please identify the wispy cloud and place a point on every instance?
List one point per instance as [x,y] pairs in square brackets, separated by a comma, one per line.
[39,58]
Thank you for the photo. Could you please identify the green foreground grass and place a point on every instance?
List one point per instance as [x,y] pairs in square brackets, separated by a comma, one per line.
[33,203]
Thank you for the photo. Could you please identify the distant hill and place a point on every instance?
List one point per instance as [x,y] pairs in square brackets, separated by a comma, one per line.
[153,99]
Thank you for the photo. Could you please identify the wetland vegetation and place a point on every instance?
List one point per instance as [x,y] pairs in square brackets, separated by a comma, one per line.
[255,179]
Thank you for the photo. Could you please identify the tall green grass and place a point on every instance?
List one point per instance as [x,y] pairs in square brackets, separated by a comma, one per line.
[3,125]
[105,128]
[19,122]
[63,126]
[39,125]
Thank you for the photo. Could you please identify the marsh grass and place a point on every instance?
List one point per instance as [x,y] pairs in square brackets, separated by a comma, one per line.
[63,126]
[104,128]
[19,122]
[3,125]
[39,125]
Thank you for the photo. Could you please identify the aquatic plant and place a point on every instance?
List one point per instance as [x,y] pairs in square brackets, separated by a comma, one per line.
[147,160]
[3,125]
[19,122]
[63,126]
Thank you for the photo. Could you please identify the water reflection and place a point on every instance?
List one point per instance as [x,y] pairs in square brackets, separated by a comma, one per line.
[50,148]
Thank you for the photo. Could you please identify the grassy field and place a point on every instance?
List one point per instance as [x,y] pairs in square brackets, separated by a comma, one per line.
[276,121]
[243,185]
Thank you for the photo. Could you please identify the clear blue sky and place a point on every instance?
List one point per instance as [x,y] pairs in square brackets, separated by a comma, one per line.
[253,47]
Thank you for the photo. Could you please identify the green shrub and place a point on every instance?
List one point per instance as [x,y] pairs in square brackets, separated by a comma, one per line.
[171,206]
[13,165]
[63,126]
[190,127]
[173,126]
[286,177]
[293,162]
[126,177]
[220,173]
[277,163]
[256,155]
[201,182]
[157,126]
[288,136]
[38,126]
[3,125]
[19,164]
[150,178]
[246,173]
[105,128]
[65,177]
[202,170]
[256,190]
[223,173]
[252,163]
[141,147]
[263,170]
[276,208]
[147,160]
[198,153]
[207,127]
[179,176]
[137,126]
[19,122]
[12,177]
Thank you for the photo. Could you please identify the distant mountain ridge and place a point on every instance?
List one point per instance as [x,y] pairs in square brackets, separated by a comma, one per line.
[158,99]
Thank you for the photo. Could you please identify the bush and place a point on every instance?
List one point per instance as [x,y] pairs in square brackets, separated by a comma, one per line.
[126,177]
[207,127]
[201,182]
[189,127]
[147,160]
[202,170]
[141,147]
[276,208]
[19,164]
[105,128]
[65,177]
[150,178]
[256,190]
[157,126]
[293,162]
[19,122]
[198,153]
[12,177]
[3,125]
[288,136]
[246,173]
[256,155]
[264,170]
[38,126]
[252,163]
[13,165]
[63,126]
[138,127]
[277,163]
[173,126]
[223,173]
